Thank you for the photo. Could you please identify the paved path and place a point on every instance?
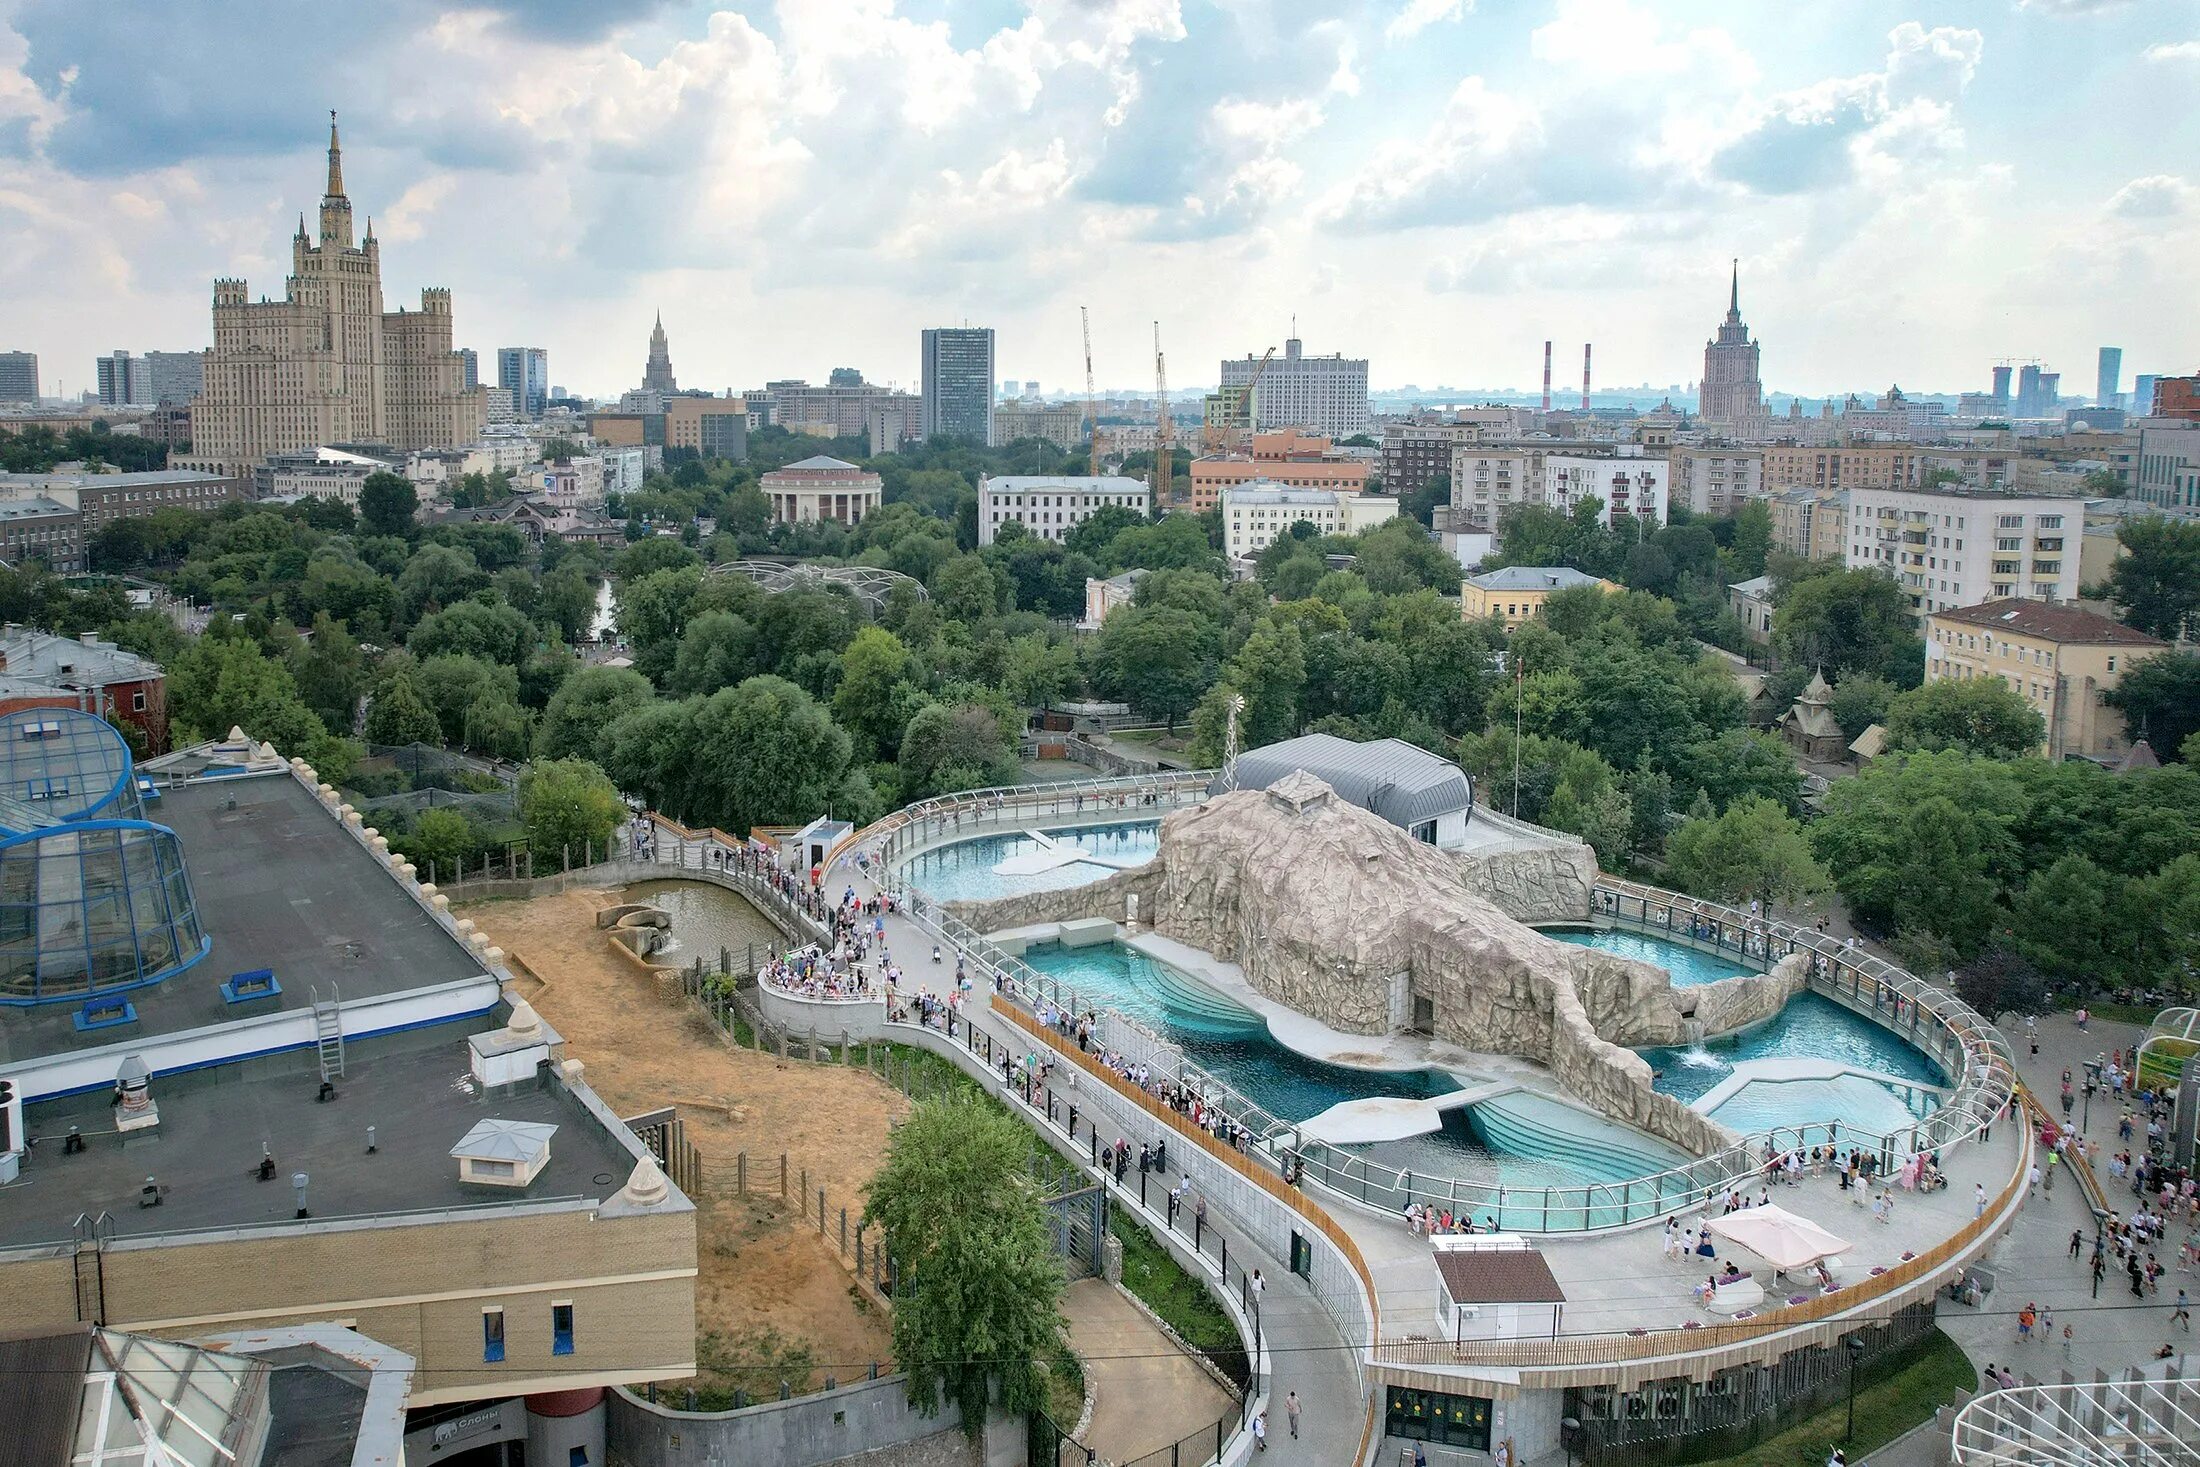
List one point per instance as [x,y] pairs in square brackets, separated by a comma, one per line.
[1147,1392]
[1306,1352]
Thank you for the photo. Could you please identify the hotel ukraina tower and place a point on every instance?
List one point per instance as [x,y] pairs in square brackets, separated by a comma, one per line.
[326,364]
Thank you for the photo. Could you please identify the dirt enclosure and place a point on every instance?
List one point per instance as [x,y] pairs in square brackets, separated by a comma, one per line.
[762,1267]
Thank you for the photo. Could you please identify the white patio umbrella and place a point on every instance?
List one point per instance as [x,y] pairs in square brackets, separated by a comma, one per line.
[1779,1237]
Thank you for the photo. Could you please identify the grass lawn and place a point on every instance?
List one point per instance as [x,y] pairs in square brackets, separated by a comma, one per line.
[1148,736]
[2123,1013]
[1935,1373]
[1180,1299]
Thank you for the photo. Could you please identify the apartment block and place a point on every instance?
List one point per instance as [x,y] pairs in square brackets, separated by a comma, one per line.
[1288,457]
[1049,506]
[1255,513]
[1812,523]
[1714,481]
[1950,549]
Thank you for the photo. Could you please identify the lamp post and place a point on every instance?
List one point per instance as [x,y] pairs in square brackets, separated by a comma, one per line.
[1856,1355]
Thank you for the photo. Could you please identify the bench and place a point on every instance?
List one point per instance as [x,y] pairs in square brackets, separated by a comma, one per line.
[1729,1298]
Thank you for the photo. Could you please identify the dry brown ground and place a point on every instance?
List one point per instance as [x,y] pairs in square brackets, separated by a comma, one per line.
[644,1047]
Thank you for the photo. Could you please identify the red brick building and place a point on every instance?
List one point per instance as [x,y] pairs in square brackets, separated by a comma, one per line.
[41,670]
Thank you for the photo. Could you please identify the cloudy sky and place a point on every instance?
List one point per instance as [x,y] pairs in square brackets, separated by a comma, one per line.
[1915,189]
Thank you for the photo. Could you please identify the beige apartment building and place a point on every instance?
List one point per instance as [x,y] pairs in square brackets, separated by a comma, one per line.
[1714,480]
[326,364]
[1517,592]
[1487,480]
[2061,659]
[1857,466]
[1813,523]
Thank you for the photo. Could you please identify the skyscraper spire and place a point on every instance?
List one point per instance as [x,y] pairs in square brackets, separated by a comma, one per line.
[657,375]
[335,160]
[1734,297]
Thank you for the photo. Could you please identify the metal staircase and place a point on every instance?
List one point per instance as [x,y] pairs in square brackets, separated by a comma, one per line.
[328,1032]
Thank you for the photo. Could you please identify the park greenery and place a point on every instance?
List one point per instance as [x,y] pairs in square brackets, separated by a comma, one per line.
[977,1286]
[1616,714]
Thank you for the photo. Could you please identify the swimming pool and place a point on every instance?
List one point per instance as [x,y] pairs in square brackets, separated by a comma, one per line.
[964,871]
[1687,966]
[1519,1139]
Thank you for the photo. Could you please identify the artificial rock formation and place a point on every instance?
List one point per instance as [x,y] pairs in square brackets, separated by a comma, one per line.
[1342,916]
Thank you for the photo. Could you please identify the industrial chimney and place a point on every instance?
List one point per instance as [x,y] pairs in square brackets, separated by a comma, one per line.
[1546,376]
[1585,376]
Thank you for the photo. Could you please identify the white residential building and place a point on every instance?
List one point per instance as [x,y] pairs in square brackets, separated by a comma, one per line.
[1051,505]
[1324,394]
[1256,512]
[1951,549]
[624,469]
[1624,484]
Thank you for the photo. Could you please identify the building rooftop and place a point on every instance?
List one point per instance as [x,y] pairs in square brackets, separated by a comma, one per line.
[31,507]
[1396,780]
[1498,1276]
[87,479]
[2069,625]
[1087,483]
[281,885]
[1532,578]
[818,463]
[84,661]
[416,1089]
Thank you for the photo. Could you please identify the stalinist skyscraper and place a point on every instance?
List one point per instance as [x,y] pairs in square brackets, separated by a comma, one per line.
[326,364]
[1733,400]
[657,372]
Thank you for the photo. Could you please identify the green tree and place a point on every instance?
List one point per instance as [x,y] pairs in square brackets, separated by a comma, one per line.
[399,714]
[652,611]
[763,753]
[226,681]
[2159,698]
[1861,700]
[2156,581]
[452,685]
[585,705]
[717,650]
[567,806]
[1998,982]
[330,673]
[1156,658]
[1849,622]
[977,1306]
[2067,920]
[1754,850]
[439,841]
[879,690]
[945,749]
[1981,715]
[386,504]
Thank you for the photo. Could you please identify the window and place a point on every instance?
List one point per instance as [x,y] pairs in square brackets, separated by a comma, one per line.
[561,1328]
[137,701]
[492,1335]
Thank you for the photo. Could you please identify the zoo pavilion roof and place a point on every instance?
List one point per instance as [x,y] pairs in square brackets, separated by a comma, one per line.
[1394,779]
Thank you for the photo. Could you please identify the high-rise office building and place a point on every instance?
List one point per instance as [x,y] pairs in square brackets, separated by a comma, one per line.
[2108,387]
[326,364]
[174,377]
[1324,395]
[1733,394]
[657,373]
[2142,394]
[18,376]
[471,361]
[2001,389]
[958,383]
[118,379]
[524,371]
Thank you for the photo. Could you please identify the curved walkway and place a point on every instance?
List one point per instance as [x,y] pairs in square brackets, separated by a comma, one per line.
[1147,1392]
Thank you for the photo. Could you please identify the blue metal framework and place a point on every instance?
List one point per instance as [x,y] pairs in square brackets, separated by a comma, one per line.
[94,899]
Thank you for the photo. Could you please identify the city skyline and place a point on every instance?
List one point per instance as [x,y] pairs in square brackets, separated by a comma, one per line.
[806,187]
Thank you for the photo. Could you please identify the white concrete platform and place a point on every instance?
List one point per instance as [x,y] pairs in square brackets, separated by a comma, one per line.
[1797,1069]
[1393,1117]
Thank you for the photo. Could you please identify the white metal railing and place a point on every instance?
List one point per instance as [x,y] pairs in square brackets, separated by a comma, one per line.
[2129,1423]
[1976,1058]
[889,840]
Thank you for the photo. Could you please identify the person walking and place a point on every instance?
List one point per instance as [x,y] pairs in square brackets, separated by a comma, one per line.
[2182,1314]
[1291,1409]
[1260,1431]
[1978,1200]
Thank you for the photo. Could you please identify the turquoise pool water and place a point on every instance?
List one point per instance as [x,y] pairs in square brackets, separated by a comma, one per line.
[1521,1140]
[1688,966]
[1810,1027]
[964,871]
[1857,1103]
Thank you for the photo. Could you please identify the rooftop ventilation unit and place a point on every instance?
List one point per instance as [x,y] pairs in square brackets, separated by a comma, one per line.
[500,1153]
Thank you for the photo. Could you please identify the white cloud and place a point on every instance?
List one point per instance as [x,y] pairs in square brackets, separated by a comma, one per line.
[2174,51]
[1417,16]
[1620,38]
[2157,196]
[2071,7]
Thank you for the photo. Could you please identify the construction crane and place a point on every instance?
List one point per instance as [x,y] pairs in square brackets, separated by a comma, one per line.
[1092,399]
[1253,386]
[1164,457]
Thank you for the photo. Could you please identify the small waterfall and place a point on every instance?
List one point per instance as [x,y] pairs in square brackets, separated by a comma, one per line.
[1695,1054]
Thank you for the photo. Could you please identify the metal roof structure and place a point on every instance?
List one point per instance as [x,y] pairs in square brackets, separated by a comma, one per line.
[1532,578]
[1404,784]
[870,584]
